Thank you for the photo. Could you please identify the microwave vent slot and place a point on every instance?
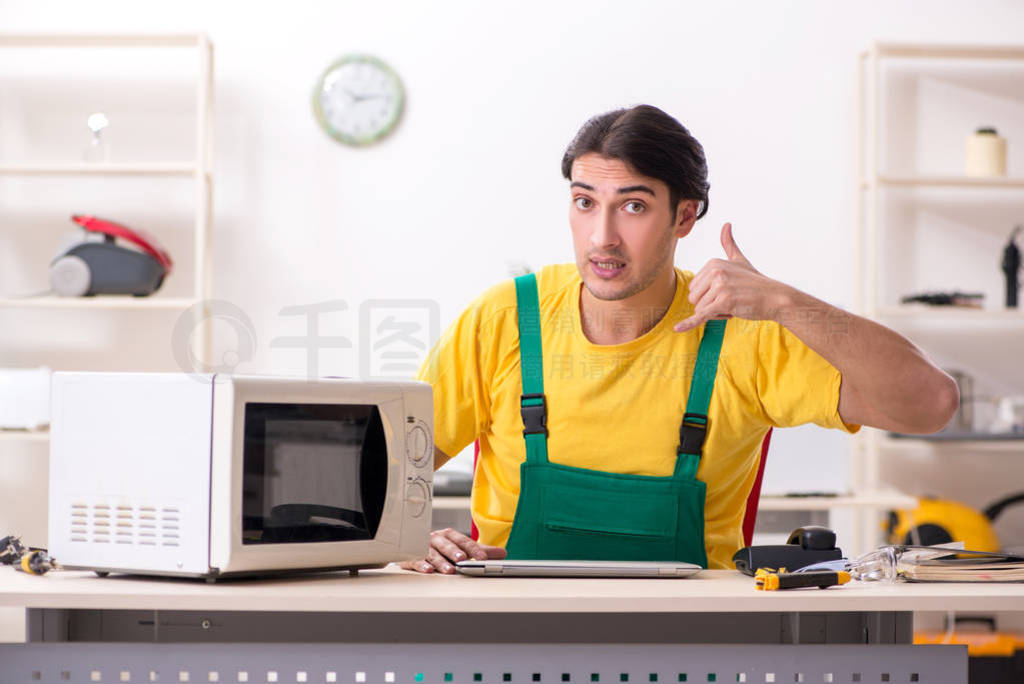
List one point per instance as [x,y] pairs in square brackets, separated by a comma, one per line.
[104,523]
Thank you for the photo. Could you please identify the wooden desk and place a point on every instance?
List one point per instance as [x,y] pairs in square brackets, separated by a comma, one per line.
[716,606]
[393,590]
[424,621]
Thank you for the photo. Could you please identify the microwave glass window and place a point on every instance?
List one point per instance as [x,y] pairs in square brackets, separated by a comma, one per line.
[312,473]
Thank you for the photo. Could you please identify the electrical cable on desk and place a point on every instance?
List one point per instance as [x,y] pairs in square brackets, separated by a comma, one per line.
[27,559]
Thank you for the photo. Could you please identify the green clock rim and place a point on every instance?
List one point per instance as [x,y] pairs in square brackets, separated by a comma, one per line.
[388,126]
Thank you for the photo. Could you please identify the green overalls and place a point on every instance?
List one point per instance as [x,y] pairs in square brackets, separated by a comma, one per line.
[579,514]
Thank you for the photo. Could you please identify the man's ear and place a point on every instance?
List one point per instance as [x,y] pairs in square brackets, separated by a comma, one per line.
[686,216]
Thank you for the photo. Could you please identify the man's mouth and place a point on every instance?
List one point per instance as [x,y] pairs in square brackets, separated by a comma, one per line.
[607,268]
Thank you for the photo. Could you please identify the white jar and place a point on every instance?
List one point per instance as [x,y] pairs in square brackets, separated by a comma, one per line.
[986,154]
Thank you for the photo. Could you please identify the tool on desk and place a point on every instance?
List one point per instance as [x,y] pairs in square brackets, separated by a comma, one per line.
[768,579]
[1011,266]
[806,545]
[27,559]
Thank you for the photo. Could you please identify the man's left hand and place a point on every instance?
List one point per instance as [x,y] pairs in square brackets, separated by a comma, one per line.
[731,287]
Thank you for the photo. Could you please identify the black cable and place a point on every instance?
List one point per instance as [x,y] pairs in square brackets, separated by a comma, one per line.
[994,509]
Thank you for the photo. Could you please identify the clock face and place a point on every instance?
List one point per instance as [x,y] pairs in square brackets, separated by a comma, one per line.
[358,100]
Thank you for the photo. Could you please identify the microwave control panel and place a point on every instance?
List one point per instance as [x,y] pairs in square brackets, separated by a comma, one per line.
[420,449]
[418,444]
[417,494]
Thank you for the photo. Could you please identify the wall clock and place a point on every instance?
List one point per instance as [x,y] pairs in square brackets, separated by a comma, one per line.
[358,100]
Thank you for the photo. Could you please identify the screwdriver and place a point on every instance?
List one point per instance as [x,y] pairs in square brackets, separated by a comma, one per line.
[769,580]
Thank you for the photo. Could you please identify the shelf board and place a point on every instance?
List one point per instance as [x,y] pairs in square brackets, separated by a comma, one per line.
[984,443]
[80,40]
[82,169]
[949,51]
[1000,182]
[924,312]
[963,437]
[863,500]
[25,435]
[450,503]
[101,302]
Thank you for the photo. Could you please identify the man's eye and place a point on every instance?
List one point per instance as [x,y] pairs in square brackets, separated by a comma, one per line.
[583,203]
[634,207]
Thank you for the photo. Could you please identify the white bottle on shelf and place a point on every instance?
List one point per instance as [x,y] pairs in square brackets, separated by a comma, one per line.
[98,151]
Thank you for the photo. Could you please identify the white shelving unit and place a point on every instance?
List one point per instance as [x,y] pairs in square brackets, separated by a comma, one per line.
[25,474]
[24,435]
[100,169]
[199,169]
[1010,446]
[966,315]
[132,303]
[941,182]
[875,178]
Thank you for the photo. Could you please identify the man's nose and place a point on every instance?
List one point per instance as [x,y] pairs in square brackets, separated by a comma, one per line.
[605,233]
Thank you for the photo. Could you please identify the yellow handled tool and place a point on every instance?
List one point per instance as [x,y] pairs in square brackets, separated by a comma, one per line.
[24,558]
[768,579]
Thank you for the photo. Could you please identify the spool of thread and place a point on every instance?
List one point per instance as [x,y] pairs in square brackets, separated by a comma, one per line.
[986,154]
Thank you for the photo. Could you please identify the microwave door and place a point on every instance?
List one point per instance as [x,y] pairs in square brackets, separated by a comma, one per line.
[312,473]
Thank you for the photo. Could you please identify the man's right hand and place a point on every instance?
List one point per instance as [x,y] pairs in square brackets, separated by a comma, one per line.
[448,547]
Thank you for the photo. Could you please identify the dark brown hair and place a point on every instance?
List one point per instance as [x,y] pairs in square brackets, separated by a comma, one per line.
[652,143]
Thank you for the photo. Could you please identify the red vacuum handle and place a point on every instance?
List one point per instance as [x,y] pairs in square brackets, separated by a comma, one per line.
[149,244]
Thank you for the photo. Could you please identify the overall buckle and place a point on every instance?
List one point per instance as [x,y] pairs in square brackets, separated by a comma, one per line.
[692,433]
[535,414]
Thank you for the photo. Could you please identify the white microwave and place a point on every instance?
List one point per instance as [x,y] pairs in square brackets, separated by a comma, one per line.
[219,476]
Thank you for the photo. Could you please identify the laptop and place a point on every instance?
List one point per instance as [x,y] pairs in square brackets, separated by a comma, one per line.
[581,568]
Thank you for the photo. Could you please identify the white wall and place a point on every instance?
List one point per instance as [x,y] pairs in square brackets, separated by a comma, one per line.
[470,180]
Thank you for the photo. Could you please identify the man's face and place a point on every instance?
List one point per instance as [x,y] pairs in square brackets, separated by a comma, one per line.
[623,229]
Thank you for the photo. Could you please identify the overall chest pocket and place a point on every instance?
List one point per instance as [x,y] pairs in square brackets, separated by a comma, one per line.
[605,523]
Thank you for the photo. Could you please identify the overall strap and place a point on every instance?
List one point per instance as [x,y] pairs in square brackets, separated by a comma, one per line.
[532,405]
[695,420]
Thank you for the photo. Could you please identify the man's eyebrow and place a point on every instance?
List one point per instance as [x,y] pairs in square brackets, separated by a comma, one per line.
[637,188]
[621,191]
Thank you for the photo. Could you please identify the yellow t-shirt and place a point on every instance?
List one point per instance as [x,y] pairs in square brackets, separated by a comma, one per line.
[617,408]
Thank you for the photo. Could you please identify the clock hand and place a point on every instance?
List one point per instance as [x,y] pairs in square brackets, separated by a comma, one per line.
[368,96]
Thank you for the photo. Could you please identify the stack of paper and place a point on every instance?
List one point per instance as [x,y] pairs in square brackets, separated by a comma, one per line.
[961,566]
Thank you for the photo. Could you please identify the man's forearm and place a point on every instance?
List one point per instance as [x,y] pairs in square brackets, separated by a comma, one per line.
[889,383]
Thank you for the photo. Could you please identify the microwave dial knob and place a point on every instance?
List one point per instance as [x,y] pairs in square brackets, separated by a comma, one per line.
[416,497]
[419,445]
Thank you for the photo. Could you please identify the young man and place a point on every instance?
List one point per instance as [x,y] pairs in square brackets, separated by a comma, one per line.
[620,403]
